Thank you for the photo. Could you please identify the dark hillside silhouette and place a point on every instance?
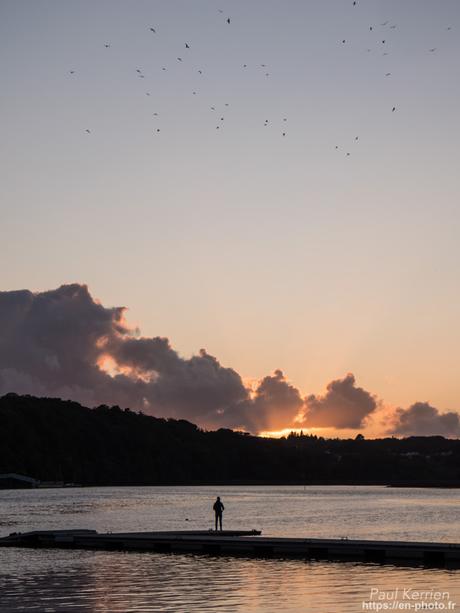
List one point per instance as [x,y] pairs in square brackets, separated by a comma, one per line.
[55,440]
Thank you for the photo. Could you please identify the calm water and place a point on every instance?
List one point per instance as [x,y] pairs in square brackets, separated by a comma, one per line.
[59,580]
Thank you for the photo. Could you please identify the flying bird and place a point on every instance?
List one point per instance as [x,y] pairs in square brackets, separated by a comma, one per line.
[343,41]
[71,71]
[179,59]
[138,70]
[433,50]
[393,109]
[200,71]
[383,42]
[356,137]
[284,133]
[187,46]
[384,23]
[152,30]
[163,68]
[388,74]
[228,20]
[392,27]
[88,131]
[370,28]
[107,45]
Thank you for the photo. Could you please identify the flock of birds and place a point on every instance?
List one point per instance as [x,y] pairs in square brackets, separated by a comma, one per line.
[382,43]
[200,71]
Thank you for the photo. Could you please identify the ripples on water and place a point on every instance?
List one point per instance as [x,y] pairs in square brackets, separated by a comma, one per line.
[60,580]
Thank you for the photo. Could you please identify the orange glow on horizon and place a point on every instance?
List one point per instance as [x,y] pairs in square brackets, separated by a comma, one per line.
[324,432]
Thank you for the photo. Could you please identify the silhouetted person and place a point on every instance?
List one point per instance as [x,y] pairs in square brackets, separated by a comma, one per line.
[218,509]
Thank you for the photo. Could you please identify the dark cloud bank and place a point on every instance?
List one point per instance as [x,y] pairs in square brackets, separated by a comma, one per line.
[64,343]
[421,419]
[343,406]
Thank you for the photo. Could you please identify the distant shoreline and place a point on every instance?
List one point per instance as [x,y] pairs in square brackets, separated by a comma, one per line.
[406,485]
[49,442]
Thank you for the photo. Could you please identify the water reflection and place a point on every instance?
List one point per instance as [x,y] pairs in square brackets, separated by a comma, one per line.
[111,581]
[60,580]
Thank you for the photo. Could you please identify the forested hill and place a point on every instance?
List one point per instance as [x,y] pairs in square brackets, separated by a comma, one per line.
[56,440]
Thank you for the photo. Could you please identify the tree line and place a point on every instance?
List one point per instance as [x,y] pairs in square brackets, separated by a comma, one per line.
[59,440]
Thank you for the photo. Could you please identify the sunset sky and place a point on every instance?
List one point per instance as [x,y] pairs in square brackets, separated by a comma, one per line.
[271,252]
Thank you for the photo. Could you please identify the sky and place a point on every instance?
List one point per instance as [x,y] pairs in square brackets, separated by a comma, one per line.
[274,253]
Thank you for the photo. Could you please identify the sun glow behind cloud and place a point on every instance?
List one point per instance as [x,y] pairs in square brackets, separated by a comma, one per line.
[107,364]
[283,252]
[63,342]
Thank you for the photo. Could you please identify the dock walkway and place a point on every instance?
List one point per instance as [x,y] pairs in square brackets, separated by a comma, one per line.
[243,542]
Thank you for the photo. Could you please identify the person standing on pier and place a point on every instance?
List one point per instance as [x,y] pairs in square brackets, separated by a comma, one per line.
[218,510]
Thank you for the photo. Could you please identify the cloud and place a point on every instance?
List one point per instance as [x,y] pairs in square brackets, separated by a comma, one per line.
[421,419]
[64,343]
[274,405]
[52,336]
[343,406]
[60,342]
